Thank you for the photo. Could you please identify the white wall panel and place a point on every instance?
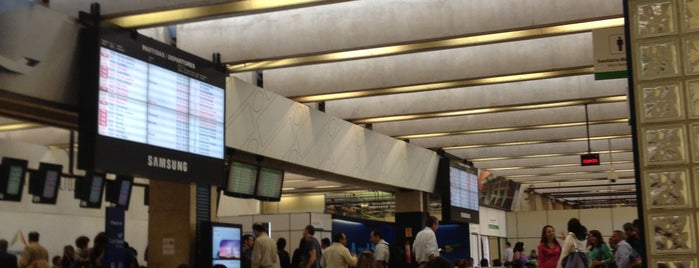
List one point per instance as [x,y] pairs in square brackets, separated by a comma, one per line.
[493,222]
[267,124]
[296,204]
[54,39]
[599,219]
[231,206]
[529,223]
[559,220]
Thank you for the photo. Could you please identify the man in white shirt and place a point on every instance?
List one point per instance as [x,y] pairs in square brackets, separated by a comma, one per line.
[381,253]
[509,253]
[425,245]
[337,255]
[264,253]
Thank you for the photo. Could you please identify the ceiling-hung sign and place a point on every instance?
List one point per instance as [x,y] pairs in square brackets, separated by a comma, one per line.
[609,52]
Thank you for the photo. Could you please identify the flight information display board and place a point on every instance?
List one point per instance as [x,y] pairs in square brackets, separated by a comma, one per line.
[457,185]
[149,109]
[144,103]
[241,180]
[463,189]
[269,184]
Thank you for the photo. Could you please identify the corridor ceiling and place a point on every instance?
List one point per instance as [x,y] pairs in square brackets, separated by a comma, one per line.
[504,84]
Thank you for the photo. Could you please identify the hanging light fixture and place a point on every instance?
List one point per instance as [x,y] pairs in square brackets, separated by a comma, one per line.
[612,176]
[588,159]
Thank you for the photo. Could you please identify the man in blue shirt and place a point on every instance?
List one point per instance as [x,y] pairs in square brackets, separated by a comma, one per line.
[623,251]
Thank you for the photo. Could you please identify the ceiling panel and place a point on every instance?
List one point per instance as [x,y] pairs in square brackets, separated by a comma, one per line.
[461,78]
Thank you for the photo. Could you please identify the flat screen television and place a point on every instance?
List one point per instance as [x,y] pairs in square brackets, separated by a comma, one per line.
[149,109]
[269,184]
[222,245]
[242,180]
[12,174]
[89,190]
[119,191]
[459,191]
[44,183]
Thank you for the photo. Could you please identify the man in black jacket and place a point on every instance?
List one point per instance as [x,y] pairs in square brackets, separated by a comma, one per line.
[6,259]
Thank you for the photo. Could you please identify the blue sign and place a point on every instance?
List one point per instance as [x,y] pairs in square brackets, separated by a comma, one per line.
[116,253]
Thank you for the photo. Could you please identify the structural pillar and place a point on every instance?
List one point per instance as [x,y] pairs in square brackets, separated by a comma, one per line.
[410,215]
[663,37]
[171,224]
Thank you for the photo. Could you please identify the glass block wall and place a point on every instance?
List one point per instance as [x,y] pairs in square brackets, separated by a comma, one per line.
[664,39]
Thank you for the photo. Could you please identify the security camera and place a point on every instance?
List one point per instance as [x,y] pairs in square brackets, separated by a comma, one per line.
[612,176]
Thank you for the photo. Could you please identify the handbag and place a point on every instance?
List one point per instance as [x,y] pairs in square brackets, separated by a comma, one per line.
[575,260]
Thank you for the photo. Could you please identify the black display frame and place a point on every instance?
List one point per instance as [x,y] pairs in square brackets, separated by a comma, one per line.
[277,196]
[234,192]
[84,186]
[451,213]
[38,182]
[206,252]
[111,155]
[5,169]
[113,191]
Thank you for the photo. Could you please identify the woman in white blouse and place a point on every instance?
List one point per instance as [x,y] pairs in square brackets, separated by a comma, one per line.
[574,241]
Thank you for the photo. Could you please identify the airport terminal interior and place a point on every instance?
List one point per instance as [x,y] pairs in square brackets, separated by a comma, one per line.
[557,109]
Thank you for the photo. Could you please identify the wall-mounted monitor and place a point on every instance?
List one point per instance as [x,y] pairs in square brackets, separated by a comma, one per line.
[89,190]
[12,174]
[149,109]
[459,191]
[242,179]
[222,245]
[118,192]
[269,184]
[44,183]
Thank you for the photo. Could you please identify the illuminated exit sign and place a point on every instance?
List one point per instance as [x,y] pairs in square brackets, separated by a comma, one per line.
[589,160]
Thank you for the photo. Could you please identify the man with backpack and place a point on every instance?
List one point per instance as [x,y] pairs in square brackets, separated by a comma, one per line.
[381,253]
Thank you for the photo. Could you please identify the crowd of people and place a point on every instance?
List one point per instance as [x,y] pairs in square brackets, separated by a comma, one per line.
[311,253]
[34,255]
[577,248]
[580,247]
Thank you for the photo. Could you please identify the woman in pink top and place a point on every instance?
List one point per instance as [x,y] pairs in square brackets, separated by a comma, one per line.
[549,249]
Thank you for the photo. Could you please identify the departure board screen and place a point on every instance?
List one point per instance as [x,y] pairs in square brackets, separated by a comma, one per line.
[457,187]
[241,180]
[269,185]
[15,180]
[144,103]
[12,173]
[464,189]
[149,109]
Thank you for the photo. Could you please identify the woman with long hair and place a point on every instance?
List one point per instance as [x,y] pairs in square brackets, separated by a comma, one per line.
[68,257]
[600,254]
[519,258]
[549,250]
[574,241]
[96,253]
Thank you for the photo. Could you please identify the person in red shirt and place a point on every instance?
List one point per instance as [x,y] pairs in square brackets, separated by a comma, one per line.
[549,249]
